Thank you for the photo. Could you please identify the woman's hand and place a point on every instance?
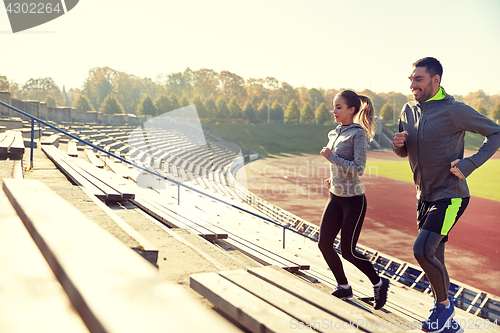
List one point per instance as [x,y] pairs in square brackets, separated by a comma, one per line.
[325,152]
[328,182]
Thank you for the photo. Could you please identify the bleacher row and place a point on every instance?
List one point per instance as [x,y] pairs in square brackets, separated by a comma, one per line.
[184,159]
[11,144]
[260,299]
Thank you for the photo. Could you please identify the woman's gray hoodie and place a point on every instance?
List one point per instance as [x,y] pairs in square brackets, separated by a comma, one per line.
[436,131]
[348,159]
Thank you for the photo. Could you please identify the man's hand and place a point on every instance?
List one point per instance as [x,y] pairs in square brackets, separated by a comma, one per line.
[328,182]
[399,139]
[325,152]
[456,171]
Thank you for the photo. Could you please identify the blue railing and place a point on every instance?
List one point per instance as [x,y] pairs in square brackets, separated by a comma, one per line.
[179,184]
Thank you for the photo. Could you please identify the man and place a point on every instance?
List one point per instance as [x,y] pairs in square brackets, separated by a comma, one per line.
[431,134]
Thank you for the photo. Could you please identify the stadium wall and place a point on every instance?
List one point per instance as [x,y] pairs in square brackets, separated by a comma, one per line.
[66,114]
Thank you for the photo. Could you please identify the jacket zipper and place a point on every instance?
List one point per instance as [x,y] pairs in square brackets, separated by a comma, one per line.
[338,135]
[421,136]
[423,125]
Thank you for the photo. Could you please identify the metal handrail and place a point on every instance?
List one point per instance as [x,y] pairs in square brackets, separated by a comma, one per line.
[33,118]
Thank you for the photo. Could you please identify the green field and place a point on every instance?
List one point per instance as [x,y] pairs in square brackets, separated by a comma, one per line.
[483,182]
[272,140]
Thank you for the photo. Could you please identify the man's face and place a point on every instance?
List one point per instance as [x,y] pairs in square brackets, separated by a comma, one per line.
[422,85]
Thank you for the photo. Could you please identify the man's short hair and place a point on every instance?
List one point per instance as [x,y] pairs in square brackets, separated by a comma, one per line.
[432,66]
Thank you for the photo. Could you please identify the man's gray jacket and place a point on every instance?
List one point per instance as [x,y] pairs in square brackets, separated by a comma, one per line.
[436,138]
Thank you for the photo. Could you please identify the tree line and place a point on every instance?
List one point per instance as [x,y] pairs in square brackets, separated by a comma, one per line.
[218,97]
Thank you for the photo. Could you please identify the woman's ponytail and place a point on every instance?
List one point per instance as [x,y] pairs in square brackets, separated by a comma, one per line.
[366,116]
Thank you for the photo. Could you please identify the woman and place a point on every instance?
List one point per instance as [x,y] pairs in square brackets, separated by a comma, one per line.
[346,208]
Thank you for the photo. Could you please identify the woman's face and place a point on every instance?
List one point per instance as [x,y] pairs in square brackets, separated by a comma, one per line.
[341,112]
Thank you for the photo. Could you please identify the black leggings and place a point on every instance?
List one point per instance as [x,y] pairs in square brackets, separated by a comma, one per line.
[345,214]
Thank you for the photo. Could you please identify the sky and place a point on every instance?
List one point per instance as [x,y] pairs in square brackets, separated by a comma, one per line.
[329,44]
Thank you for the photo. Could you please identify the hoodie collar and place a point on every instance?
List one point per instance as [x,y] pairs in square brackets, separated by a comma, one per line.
[441,94]
[341,127]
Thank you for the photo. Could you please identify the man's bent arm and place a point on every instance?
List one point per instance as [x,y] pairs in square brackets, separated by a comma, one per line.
[470,120]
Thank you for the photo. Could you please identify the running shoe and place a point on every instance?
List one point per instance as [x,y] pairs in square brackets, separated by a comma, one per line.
[342,293]
[381,293]
[440,315]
